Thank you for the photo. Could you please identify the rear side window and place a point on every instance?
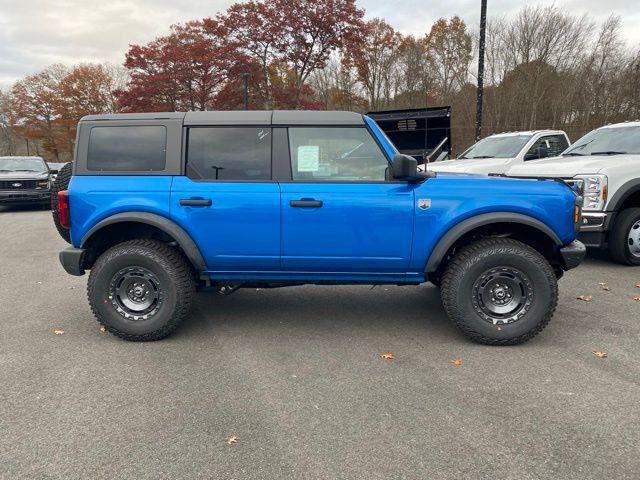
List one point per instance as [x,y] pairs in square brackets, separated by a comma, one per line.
[549,146]
[129,149]
[229,153]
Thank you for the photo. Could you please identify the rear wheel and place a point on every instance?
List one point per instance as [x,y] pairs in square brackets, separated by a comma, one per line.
[624,243]
[61,183]
[141,289]
[499,291]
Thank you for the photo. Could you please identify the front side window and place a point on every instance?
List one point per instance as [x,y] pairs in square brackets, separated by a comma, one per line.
[229,153]
[549,146]
[335,154]
[129,149]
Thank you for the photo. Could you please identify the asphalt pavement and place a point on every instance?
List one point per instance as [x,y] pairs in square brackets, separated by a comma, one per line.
[295,374]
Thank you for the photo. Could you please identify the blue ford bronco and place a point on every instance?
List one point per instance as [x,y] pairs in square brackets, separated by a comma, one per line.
[158,205]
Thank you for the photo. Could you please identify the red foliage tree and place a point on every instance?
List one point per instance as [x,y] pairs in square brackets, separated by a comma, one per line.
[289,40]
[184,70]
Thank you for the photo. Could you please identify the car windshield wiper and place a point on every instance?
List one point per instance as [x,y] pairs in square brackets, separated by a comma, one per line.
[608,152]
[573,154]
[481,156]
[23,170]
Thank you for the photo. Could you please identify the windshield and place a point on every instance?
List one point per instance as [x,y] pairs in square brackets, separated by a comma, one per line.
[497,147]
[607,141]
[18,164]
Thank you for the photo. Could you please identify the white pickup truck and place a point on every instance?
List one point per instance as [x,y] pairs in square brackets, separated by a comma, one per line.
[607,161]
[497,153]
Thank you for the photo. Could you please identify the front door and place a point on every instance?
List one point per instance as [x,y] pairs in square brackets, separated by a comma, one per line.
[341,217]
[227,201]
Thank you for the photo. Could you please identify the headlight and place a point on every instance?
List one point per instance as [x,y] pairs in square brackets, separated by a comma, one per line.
[42,184]
[595,191]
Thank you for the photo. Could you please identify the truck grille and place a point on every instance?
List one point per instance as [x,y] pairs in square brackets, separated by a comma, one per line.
[17,184]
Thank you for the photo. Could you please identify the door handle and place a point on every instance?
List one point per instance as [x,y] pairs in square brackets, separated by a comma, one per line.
[306,203]
[195,202]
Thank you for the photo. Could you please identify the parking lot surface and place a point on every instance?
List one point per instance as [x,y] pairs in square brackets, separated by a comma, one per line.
[296,375]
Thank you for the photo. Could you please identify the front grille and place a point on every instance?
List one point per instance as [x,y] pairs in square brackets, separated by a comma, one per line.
[17,184]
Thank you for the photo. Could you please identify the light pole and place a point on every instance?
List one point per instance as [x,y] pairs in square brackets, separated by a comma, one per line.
[483,28]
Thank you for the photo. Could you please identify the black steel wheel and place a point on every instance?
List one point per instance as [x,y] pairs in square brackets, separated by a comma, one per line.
[502,295]
[499,291]
[136,293]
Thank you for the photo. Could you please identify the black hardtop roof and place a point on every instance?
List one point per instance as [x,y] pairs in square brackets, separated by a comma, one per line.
[242,117]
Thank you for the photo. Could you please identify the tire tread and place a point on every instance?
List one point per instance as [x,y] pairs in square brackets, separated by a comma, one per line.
[464,259]
[176,266]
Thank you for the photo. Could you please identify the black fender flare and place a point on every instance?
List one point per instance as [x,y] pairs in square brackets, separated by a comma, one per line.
[625,191]
[448,239]
[169,227]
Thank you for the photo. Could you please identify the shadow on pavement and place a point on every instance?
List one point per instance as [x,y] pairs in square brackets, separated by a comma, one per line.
[319,309]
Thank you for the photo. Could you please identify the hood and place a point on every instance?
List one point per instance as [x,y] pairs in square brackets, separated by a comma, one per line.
[481,165]
[24,175]
[570,166]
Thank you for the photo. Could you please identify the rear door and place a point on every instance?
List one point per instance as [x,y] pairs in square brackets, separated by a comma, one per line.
[341,217]
[227,201]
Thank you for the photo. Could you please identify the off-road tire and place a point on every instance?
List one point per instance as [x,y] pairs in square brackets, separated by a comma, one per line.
[172,272]
[619,238]
[459,282]
[61,183]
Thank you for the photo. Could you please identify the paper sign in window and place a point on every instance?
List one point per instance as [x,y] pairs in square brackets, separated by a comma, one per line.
[308,158]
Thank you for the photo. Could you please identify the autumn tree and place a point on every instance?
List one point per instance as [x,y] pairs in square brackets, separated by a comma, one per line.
[289,40]
[7,141]
[184,70]
[372,54]
[413,86]
[449,53]
[46,107]
[35,109]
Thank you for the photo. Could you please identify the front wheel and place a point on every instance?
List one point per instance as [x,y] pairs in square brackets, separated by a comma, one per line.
[624,243]
[499,291]
[141,289]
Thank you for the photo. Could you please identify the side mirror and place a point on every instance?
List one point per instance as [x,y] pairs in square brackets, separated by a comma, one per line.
[406,168]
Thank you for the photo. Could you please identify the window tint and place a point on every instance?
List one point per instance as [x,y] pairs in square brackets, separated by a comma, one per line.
[549,146]
[229,153]
[325,154]
[131,149]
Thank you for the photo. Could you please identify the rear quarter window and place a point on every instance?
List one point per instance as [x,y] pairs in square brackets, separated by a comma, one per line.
[137,148]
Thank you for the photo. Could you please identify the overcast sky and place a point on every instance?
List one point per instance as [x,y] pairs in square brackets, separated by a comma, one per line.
[36,33]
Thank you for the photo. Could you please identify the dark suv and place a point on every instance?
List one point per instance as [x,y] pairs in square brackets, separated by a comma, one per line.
[24,180]
[160,204]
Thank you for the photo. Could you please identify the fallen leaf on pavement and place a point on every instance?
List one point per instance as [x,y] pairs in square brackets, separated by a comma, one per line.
[103,328]
[457,362]
[638,285]
[604,286]
[232,440]
[600,354]
[58,331]
[637,299]
[387,356]
[585,298]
